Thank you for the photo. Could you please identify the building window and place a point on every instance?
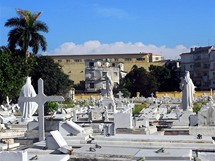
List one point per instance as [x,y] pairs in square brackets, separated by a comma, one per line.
[77,60]
[127,59]
[91,85]
[59,61]
[197,65]
[113,64]
[116,59]
[67,60]
[115,74]
[205,65]
[91,64]
[140,59]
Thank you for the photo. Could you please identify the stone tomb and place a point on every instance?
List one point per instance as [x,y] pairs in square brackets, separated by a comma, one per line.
[127,154]
[7,117]
[156,141]
[165,154]
[70,128]
[13,155]
[57,142]
[206,121]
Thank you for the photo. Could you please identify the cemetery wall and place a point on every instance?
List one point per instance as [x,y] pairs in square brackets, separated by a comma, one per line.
[177,94]
[87,96]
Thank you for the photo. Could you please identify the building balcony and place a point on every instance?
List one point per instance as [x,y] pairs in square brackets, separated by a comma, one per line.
[92,78]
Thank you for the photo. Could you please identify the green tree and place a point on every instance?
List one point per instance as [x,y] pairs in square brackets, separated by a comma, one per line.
[55,81]
[174,80]
[26,32]
[162,74]
[139,80]
[12,74]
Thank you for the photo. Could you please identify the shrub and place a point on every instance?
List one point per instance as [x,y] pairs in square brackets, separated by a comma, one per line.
[50,107]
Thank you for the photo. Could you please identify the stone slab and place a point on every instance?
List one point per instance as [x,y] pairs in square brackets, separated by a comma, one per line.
[50,157]
[206,156]
[203,130]
[153,141]
[10,133]
[44,155]
[169,154]
[11,146]
[105,152]
[13,155]
[157,138]
[58,138]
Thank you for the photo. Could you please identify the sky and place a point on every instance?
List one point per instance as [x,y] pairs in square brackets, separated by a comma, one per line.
[163,27]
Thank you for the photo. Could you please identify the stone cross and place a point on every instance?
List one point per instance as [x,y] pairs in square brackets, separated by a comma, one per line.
[41,99]
[120,94]
[152,94]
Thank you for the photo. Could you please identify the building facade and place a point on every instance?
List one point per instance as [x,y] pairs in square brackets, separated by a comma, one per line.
[74,65]
[201,64]
[96,71]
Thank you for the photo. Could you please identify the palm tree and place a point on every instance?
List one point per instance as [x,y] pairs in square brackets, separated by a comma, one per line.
[25,32]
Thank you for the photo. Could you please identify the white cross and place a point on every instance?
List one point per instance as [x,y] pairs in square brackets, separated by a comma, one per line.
[41,99]
[120,94]
[152,94]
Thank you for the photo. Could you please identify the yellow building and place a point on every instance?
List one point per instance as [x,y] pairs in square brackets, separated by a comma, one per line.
[74,65]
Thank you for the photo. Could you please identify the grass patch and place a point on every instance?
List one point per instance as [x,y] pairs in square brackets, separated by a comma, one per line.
[138,107]
[198,105]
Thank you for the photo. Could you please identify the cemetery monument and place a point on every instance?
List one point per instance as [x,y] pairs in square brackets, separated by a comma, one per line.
[188,90]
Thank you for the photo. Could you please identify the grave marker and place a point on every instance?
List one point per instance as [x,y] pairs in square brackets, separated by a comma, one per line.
[41,99]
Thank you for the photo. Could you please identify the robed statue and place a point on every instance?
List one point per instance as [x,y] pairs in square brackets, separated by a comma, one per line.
[188,90]
[27,108]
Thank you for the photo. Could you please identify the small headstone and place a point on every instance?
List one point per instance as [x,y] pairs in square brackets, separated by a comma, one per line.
[57,142]
[14,155]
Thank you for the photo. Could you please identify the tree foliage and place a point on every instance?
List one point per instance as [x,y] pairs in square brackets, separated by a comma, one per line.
[25,32]
[158,78]
[139,80]
[174,80]
[55,81]
[12,74]
[162,74]
[168,77]
[14,69]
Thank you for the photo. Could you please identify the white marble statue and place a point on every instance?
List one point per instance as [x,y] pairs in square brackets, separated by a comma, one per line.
[206,116]
[188,90]
[27,108]
[109,86]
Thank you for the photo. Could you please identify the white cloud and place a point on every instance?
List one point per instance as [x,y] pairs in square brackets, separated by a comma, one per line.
[96,47]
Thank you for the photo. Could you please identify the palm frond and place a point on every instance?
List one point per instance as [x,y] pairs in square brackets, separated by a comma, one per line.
[36,15]
[40,26]
[12,22]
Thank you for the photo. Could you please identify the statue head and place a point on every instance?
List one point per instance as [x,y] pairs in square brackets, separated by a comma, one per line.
[187,74]
[28,80]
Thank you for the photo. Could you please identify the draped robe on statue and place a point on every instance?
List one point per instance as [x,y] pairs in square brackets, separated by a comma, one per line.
[28,108]
[188,90]
[109,86]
